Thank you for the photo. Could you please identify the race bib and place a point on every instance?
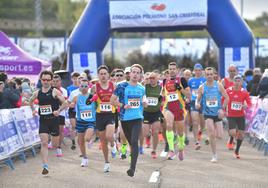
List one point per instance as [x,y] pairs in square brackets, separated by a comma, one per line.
[212,102]
[173,97]
[105,107]
[134,102]
[152,101]
[236,106]
[87,114]
[45,110]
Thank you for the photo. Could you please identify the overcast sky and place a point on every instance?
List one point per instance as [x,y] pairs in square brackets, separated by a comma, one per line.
[252,8]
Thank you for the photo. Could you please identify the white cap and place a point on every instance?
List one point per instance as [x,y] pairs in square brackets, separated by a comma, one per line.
[127,70]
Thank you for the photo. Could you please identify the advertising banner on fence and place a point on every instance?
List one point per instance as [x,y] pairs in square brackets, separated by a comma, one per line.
[259,123]
[9,138]
[26,125]
[155,13]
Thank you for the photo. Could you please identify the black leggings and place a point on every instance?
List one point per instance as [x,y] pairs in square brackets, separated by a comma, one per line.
[132,129]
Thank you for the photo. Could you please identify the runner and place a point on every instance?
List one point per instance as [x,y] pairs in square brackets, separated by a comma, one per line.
[120,77]
[238,101]
[174,90]
[152,113]
[210,94]
[71,112]
[49,110]
[105,117]
[57,85]
[130,96]
[85,118]
[196,115]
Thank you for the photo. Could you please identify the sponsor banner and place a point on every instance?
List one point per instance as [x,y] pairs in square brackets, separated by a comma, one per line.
[238,57]
[82,61]
[155,13]
[20,68]
[10,141]
[259,123]
[26,125]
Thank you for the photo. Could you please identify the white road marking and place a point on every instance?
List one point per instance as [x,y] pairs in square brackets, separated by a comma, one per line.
[154,177]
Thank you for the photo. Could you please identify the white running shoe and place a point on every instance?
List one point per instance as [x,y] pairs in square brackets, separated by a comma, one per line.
[59,152]
[84,162]
[214,158]
[107,167]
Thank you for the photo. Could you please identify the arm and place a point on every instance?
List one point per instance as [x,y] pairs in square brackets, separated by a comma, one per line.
[224,94]
[185,90]
[199,97]
[31,102]
[115,101]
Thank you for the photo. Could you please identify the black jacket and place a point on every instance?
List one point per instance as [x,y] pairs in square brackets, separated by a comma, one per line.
[263,87]
[8,98]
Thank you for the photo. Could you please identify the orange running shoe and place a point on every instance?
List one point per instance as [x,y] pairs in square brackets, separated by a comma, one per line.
[236,155]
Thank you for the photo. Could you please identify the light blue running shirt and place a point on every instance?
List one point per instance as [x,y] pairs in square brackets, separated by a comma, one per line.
[131,95]
[85,112]
[211,99]
[194,84]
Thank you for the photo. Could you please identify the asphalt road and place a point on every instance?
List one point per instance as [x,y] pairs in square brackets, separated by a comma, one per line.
[195,171]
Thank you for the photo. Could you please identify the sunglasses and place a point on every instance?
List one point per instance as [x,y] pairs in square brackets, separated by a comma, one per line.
[84,86]
[119,75]
[46,80]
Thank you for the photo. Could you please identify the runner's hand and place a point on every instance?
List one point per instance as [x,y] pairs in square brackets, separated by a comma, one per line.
[221,114]
[127,106]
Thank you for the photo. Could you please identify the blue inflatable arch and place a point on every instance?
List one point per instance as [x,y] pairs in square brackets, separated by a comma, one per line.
[225,26]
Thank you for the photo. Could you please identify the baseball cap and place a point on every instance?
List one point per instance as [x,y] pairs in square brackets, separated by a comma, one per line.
[198,66]
[127,70]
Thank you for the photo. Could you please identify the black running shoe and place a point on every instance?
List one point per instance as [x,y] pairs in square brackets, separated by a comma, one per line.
[130,172]
[73,147]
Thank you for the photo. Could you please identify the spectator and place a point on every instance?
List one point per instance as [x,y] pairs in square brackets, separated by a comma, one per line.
[254,83]
[248,76]
[8,96]
[87,71]
[263,86]
[26,93]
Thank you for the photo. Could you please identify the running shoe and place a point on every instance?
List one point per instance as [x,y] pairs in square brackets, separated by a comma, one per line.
[106,167]
[153,154]
[59,152]
[84,162]
[141,150]
[181,155]
[130,172]
[230,146]
[171,155]
[236,155]
[113,151]
[123,156]
[197,146]
[90,144]
[73,147]
[49,146]
[214,158]
[45,169]
[207,141]
[186,141]
[148,141]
